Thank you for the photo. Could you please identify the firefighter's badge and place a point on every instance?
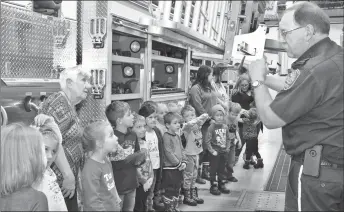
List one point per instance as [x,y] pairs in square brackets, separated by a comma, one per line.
[292,77]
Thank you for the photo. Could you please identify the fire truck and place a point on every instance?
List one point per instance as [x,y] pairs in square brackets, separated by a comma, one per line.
[135,50]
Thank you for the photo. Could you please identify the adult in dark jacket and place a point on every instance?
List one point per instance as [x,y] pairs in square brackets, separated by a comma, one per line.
[309,108]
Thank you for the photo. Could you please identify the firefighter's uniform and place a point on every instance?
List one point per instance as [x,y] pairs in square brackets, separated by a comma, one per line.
[311,104]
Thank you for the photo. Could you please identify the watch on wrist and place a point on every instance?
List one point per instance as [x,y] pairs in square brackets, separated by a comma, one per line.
[256,83]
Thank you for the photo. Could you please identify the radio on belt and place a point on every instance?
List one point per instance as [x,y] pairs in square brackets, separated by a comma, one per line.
[98,83]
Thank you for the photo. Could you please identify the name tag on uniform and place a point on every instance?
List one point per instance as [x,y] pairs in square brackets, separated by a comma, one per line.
[292,77]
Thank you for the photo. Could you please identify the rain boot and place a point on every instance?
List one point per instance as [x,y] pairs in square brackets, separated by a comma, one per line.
[199,179]
[259,164]
[188,200]
[168,204]
[222,187]
[214,190]
[205,171]
[247,164]
[194,195]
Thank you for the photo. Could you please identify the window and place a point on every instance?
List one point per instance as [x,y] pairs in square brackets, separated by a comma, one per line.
[127,65]
[168,73]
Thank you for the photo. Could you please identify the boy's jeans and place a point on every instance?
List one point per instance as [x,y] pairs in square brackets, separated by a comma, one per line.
[190,172]
[128,200]
[217,166]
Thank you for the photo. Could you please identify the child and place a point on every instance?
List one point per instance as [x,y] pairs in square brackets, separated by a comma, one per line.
[250,133]
[125,165]
[218,143]
[173,107]
[193,147]
[22,163]
[99,188]
[174,162]
[232,123]
[161,111]
[52,139]
[145,172]
[154,141]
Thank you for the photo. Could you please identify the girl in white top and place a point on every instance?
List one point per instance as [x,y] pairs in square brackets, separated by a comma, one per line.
[53,141]
[219,88]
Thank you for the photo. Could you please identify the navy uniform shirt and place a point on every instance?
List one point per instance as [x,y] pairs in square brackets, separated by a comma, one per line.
[311,102]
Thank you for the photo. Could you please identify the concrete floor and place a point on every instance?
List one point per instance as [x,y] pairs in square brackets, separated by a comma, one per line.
[248,193]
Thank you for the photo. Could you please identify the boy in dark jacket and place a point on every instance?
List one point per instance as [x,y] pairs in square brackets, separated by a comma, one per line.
[218,142]
[126,163]
[174,162]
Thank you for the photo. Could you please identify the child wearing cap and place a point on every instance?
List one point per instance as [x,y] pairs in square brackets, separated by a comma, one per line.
[218,142]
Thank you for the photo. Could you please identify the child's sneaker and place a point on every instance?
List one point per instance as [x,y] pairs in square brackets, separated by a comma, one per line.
[247,164]
[169,204]
[232,179]
[214,190]
[176,204]
[223,189]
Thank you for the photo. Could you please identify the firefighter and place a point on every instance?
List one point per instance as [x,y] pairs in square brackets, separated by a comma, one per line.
[309,108]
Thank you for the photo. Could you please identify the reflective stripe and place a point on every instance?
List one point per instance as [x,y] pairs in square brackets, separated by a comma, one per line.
[299,189]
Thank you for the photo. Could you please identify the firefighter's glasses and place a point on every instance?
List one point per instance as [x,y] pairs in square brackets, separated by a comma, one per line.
[284,33]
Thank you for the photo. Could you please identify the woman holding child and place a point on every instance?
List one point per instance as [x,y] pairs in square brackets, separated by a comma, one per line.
[243,95]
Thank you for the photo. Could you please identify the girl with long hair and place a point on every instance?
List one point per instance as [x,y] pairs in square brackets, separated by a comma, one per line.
[23,163]
[203,97]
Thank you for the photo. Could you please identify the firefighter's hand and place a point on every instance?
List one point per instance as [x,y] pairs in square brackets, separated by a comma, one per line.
[214,153]
[68,186]
[258,70]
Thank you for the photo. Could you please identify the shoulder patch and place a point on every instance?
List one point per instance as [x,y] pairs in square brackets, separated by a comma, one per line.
[292,77]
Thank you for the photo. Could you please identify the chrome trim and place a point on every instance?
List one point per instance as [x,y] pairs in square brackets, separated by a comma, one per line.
[4,118]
